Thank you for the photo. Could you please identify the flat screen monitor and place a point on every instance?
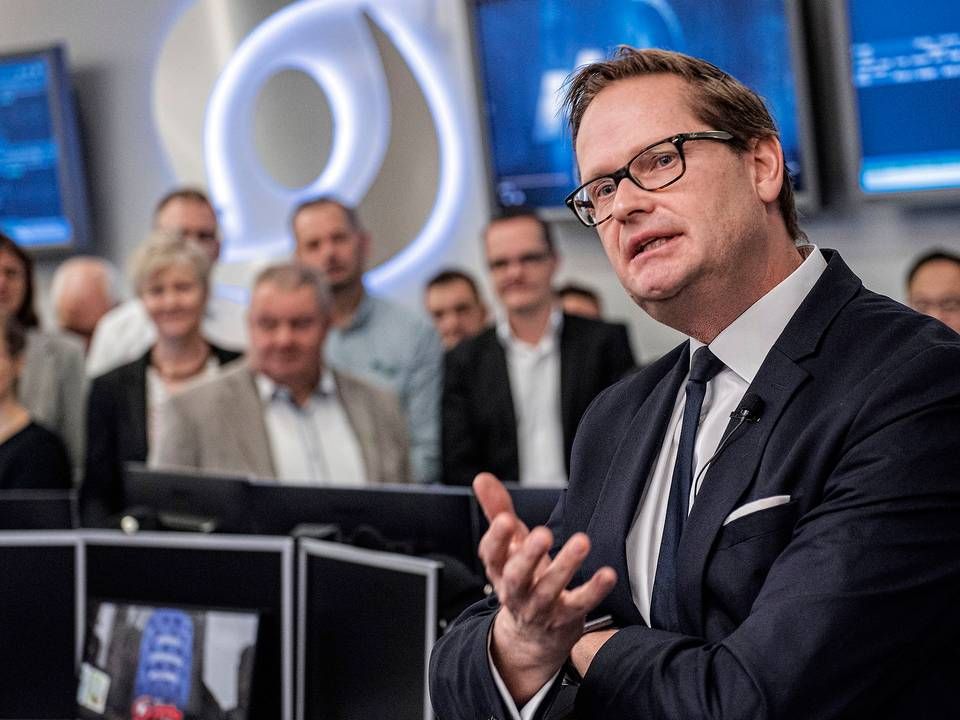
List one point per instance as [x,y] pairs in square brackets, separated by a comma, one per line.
[366,623]
[150,661]
[904,77]
[526,48]
[43,202]
[39,620]
[38,509]
[236,573]
[187,500]
[413,519]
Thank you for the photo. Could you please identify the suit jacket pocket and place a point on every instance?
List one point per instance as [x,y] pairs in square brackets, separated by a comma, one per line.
[744,552]
[763,522]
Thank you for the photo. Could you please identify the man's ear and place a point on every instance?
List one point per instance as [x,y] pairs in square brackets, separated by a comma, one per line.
[767,158]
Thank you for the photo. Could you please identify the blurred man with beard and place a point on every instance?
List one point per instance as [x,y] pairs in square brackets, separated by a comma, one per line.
[370,336]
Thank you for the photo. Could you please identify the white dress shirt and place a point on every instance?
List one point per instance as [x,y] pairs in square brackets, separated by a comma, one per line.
[534,372]
[742,347]
[311,444]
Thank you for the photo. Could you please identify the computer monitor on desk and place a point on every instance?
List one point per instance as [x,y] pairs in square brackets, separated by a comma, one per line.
[187,500]
[38,509]
[411,519]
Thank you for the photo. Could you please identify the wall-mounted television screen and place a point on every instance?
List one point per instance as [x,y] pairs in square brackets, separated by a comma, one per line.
[42,187]
[905,73]
[526,48]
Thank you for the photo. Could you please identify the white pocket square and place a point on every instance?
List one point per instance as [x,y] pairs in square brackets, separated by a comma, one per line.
[755,506]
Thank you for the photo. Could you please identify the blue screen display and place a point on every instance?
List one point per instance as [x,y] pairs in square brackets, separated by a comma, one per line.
[905,67]
[528,47]
[31,210]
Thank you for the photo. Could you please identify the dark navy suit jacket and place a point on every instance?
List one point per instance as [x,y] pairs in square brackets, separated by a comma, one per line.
[479,420]
[842,602]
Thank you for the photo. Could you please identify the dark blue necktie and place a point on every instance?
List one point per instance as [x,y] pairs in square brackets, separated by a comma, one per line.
[663,604]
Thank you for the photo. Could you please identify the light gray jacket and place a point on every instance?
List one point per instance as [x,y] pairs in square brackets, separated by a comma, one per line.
[53,387]
[219,425]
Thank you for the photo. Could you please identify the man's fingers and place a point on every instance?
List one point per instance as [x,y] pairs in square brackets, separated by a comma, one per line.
[492,496]
[518,572]
[552,580]
[586,597]
[495,545]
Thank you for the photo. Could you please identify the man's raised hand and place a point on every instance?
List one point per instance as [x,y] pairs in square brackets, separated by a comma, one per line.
[540,619]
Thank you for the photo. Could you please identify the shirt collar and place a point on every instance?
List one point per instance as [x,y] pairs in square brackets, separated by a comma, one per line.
[743,345]
[547,342]
[363,313]
[270,390]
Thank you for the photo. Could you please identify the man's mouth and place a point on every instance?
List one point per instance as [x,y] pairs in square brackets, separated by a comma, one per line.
[654,243]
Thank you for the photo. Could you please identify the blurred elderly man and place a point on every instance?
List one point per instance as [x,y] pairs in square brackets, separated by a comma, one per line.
[933,287]
[83,290]
[283,414]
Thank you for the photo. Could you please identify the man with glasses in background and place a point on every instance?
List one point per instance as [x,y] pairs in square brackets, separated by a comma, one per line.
[765,522]
[933,287]
[513,395]
[125,333]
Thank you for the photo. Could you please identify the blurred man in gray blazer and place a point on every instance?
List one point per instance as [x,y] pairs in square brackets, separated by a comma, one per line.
[281,413]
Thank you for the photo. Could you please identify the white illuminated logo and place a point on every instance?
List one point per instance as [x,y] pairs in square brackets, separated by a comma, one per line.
[330,41]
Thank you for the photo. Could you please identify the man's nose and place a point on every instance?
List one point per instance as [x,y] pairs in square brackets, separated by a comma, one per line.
[283,335]
[630,198]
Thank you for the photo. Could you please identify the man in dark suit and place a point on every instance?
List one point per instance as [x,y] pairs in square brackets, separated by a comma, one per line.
[513,395]
[800,561]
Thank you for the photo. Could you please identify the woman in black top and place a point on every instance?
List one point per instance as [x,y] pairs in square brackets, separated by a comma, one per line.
[170,275]
[31,456]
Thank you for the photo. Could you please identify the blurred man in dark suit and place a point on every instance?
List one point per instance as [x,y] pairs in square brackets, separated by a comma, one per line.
[513,395]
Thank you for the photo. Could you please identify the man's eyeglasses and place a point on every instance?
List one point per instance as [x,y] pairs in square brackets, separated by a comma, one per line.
[653,168]
[525,260]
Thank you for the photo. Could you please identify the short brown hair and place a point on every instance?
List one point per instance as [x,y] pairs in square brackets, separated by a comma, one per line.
[351,212]
[190,194]
[716,98]
[452,275]
[523,211]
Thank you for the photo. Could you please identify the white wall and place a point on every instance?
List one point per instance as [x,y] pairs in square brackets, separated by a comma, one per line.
[143,68]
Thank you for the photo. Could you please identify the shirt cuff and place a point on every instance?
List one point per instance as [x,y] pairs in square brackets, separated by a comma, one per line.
[530,709]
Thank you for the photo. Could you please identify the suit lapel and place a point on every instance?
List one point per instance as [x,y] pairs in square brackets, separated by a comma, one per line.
[730,477]
[568,380]
[626,479]
[135,388]
[363,424]
[250,436]
[499,395]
